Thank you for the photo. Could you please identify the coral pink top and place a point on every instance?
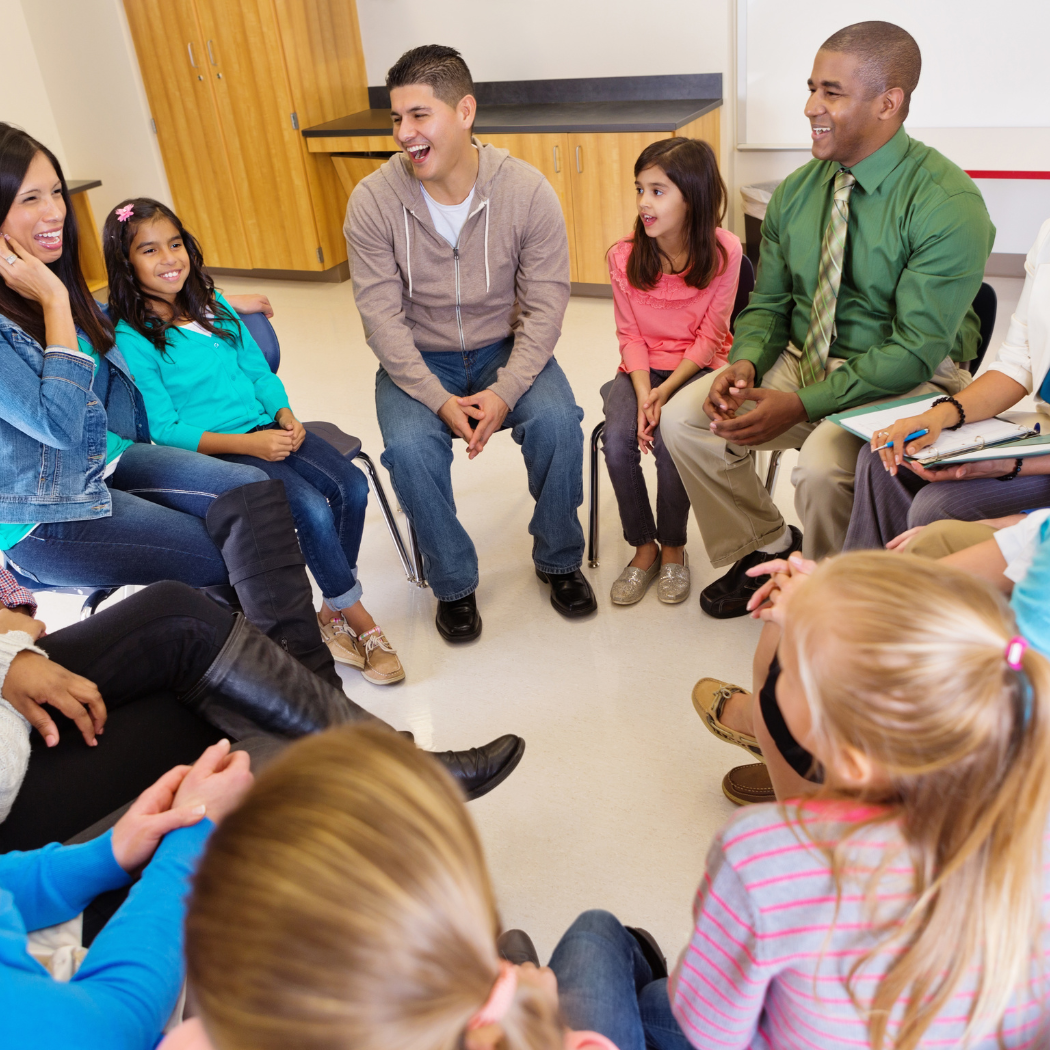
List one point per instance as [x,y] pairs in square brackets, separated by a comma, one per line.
[190,1035]
[659,327]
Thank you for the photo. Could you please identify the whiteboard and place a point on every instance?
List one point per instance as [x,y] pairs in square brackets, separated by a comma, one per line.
[985,63]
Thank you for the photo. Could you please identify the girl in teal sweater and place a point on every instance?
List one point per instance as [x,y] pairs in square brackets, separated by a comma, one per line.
[208,388]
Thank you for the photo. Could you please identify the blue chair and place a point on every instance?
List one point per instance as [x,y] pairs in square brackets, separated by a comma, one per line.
[350,447]
[744,289]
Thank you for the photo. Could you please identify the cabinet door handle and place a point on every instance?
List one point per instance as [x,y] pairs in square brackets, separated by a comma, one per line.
[211,55]
[579,166]
[189,48]
[557,165]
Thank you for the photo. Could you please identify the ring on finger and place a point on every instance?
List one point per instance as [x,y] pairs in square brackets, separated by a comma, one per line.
[11,259]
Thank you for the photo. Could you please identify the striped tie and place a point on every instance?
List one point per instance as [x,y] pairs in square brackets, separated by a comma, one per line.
[814,361]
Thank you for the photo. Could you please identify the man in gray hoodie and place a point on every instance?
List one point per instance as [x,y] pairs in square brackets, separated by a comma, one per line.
[460,265]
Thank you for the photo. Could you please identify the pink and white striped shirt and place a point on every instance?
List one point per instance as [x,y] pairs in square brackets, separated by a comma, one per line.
[767,964]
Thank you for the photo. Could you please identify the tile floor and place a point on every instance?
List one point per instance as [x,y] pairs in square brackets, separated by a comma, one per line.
[618,795]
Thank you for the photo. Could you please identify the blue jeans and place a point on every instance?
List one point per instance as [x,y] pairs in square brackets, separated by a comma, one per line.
[606,986]
[160,496]
[418,454]
[328,496]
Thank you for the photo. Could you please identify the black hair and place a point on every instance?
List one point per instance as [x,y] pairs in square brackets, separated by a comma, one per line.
[17,150]
[440,67]
[129,303]
[692,166]
[889,57]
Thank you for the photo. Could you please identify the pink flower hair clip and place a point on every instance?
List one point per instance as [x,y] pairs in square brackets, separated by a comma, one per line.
[125,213]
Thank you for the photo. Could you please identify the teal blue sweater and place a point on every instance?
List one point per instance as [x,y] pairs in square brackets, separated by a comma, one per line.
[202,383]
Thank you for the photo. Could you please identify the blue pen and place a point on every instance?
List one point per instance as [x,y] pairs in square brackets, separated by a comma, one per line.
[911,437]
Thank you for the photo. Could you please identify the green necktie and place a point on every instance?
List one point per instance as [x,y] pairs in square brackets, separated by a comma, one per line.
[814,362]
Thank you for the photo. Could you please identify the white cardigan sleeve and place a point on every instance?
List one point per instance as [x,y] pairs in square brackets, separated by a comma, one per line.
[14,729]
[1015,358]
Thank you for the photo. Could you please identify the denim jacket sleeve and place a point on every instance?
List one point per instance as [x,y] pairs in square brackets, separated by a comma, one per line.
[49,407]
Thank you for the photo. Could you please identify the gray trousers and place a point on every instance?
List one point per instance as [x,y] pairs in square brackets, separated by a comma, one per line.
[885,506]
[624,460]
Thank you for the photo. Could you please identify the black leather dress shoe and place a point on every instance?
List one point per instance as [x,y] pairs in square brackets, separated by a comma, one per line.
[459,621]
[480,769]
[516,947]
[728,596]
[571,594]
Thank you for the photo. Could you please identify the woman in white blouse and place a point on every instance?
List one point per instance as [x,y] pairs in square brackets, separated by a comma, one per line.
[893,495]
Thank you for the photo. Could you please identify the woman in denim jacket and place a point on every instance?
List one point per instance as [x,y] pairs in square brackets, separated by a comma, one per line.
[85,498]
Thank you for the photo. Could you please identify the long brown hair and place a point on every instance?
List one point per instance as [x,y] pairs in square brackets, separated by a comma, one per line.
[691,165]
[17,150]
[130,304]
[904,660]
[347,906]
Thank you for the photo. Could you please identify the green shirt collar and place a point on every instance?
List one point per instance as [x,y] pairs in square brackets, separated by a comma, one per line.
[870,172]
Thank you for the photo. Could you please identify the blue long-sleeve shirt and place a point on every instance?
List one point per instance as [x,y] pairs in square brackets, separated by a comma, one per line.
[202,383]
[122,995]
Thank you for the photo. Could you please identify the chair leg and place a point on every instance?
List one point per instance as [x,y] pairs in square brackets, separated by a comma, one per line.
[94,600]
[417,557]
[772,470]
[407,561]
[592,511]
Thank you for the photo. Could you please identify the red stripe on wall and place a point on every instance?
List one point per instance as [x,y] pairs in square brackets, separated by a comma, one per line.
[1009,174]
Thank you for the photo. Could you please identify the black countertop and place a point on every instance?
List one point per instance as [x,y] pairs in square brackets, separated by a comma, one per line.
[599,104]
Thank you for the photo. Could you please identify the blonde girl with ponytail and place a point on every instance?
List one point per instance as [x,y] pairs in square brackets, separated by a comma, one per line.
[347,906]
[903,905]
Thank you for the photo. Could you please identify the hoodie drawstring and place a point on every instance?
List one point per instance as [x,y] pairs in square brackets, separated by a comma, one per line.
[408,251]
[486,206]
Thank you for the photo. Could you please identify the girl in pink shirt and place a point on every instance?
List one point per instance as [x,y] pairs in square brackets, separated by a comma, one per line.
[674,284]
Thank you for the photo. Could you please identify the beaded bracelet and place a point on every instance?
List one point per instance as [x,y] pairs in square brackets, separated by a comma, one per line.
[1013,473]
[958,407]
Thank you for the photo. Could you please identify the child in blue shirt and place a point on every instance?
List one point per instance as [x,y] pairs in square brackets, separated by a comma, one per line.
[208,388]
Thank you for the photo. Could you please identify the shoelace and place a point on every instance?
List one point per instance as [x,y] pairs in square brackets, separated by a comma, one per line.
[374,639]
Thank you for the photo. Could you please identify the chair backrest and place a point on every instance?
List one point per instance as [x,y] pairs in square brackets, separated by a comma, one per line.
[262,332]
[985,305]
[743,289]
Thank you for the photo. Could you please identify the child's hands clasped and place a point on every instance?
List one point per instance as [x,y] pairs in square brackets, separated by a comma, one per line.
[287,420]
[272,445]
[770,601]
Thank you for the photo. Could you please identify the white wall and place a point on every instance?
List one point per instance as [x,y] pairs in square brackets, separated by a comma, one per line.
[24,98]
[85,100]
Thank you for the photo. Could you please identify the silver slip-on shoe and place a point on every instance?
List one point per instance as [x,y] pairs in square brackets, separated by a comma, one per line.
[672,586]
[632,583]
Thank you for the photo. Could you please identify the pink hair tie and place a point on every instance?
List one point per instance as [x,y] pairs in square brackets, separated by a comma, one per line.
[499,1000]
[1015,648]
[125,213]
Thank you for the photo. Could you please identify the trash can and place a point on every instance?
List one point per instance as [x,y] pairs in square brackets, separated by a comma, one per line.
[756,198]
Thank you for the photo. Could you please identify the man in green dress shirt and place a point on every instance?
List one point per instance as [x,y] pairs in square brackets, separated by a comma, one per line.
[894,307]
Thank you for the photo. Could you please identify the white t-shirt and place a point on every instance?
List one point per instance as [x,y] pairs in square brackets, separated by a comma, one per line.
[448,219]
[1019,543]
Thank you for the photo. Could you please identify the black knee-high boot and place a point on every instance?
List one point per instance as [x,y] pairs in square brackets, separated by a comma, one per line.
[253,528]
[259,681]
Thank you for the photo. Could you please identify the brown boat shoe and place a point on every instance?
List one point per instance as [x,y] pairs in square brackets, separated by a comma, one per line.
[382,667]
[748,785]
[709,698]
[342,642]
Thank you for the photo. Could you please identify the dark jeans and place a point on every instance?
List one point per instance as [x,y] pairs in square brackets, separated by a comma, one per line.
[624,460]
[155,532]
[141,653]
[606,986]
[328,496]
[418,454]
[884,506]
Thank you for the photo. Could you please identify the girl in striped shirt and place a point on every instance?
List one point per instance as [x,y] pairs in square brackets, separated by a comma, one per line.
[905,904]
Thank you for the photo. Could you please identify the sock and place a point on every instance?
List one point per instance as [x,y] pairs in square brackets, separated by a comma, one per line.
[779,545]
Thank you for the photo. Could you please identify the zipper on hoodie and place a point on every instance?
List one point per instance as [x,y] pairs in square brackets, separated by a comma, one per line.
[459,317]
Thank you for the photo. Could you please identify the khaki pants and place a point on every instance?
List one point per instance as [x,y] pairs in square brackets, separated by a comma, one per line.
[735,513]
[941,538]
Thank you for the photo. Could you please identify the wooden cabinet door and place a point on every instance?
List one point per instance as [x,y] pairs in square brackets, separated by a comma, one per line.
[244,62]
[601,171]
[172,57]
[549,153]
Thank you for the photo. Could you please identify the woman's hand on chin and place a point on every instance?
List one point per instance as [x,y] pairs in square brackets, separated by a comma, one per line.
[28,276]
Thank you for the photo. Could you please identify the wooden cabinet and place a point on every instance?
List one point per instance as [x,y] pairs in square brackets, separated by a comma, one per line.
[229,84]
[593,175]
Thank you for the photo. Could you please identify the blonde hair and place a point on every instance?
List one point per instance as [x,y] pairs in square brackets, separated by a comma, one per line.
[347,904]
[903,660]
